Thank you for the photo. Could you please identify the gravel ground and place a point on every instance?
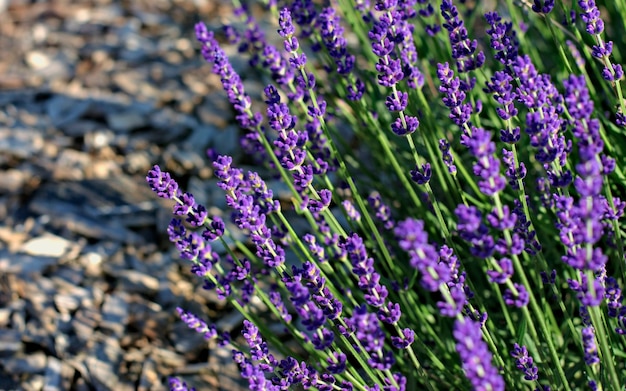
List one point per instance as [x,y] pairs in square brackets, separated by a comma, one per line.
[92,94]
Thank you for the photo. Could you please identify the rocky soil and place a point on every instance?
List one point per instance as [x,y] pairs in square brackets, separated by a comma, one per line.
[92,94]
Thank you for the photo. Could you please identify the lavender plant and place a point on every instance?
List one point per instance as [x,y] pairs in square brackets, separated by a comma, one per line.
[455,172]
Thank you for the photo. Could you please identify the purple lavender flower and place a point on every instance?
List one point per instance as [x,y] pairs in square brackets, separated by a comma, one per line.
[298,60]
[197,324]
[363,268]
[351,211]
[421,175]
[388,30]
[178,385]
[332,34]
[548,279]
[336,363]
[454,95]
[613,295]
[290,144]
[289,372]
[581,222]
[382,210]
[474,231]
[258,347]
[408,336]
[252,40]
[524,362]
[422,256]
[176,230]
[502,275]
[255,375]
[487,166]
[514,173]
[426,11]
[543,6]
[503,39]
[621,321]
[543,122]
[518,298]
[591,293]
[580,61]
[262,53]
[162,183]
[475,356]
[589,345]
[404,36]
[501,87]
[232,85]
[251,201]
[368,331]
[602,50]
[305,14]
[463,49]
[444,147]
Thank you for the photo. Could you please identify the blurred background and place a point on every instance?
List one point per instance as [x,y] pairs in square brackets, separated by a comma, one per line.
[92,94]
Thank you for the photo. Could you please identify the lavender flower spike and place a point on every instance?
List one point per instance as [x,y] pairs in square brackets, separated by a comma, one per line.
[602,50]
[178,385]
[524,362]
[422,255]
[475,356]
[232,84]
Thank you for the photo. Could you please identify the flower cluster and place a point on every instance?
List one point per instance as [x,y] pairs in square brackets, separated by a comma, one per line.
[453,257]
[390,28]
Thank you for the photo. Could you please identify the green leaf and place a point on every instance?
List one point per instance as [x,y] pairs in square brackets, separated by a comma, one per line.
[521,331]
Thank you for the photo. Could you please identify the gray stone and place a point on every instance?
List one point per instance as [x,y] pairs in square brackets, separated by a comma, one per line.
[84,322]
[115,313]
[168,358]
[102,375]
[99,140]
[107,350]
[70,277]
[135,282]
[24,264]
[185,159]
[66,302]
[71,165]
[199,139]
[39,335]
[215,111]
[126,121]
[37,60]
[23,143]
[54,379]
[138,162]
[226,141]
[10,342]
[149,376]
[222,366]
[47,245]
[12,180]
[95,208]
[168,119]
[64,110]
[128,81]
[33,363]
[5,314]
[81,127]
